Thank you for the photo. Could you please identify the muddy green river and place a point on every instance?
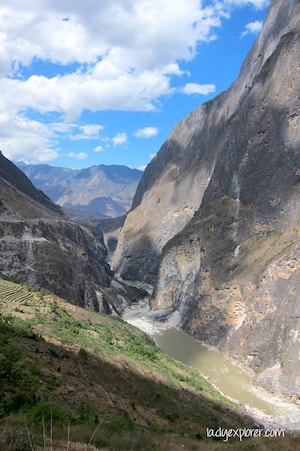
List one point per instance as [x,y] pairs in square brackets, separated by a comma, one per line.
[230,379]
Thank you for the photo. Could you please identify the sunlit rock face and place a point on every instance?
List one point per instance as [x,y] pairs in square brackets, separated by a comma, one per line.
[41,247]
[229,262]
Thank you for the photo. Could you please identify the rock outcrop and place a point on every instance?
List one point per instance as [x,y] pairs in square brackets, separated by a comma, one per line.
[40,246]
[215,221]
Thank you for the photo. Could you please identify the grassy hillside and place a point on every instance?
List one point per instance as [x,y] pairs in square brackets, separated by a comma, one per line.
[68,375]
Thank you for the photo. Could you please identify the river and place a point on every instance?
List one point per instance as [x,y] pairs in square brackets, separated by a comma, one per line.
[228,378]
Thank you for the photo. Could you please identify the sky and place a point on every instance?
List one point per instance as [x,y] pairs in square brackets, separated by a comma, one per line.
[88,82]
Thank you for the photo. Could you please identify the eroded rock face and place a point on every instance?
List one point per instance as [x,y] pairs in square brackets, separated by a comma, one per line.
[232,265]
[167,197]
[39,246]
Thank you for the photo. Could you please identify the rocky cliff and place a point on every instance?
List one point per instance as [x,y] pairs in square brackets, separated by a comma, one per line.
[215,221]
[39,246]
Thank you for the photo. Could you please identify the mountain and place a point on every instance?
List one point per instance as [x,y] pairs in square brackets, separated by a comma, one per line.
[90,194]
[215,221]
[40,246]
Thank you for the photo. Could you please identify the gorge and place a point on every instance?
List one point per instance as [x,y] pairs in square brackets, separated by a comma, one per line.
[214,225]
[215,220]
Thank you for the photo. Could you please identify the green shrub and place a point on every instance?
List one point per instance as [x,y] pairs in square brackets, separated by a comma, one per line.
[82,353]
[18,378]
[47,412]
[53,308]
[122,423]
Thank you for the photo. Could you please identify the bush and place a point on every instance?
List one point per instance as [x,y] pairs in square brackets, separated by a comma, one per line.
[47,412]
[18,378]
[82,353]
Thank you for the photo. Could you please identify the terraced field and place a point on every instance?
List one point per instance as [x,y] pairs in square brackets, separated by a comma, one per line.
[21,301]
[14,294]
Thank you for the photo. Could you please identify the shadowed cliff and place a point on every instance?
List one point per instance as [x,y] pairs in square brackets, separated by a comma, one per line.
[41,247]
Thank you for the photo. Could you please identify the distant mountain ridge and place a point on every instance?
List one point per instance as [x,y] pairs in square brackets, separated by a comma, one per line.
[97,192]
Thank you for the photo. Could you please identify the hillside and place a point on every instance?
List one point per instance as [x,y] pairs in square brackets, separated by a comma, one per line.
[90,194]
[17,179]
[97,373]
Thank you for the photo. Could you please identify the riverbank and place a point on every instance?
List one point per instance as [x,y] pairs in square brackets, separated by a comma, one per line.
[227,377]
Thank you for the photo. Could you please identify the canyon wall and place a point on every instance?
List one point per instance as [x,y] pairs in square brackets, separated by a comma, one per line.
[215,222]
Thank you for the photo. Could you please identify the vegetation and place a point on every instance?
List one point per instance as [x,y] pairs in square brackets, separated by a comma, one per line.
[70,375]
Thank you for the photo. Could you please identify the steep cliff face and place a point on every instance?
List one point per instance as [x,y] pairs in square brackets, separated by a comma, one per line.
[173,184]
[166,199]
[231,270]
[38,245]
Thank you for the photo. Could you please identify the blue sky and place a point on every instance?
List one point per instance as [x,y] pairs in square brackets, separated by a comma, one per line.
[104,82]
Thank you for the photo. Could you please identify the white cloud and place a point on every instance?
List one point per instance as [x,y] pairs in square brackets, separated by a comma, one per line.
[64,57]
[99,149]
[195,88]
[88,132]
[146,132]
[119,138]
[126,51]
[26,140]
[253,28]
[78,156]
